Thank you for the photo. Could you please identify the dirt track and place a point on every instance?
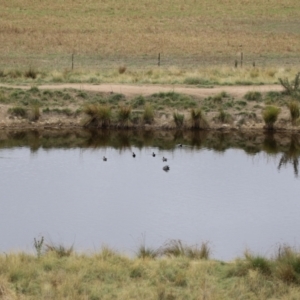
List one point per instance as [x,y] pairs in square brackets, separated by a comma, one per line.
[133,90]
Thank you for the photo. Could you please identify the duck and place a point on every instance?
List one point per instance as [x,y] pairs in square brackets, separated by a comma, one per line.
[153,154]
[133,154]
[164,159]
[104,158]
[166,168]
[179,145]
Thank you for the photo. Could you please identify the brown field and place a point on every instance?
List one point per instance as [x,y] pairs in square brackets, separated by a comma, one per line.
[188,33]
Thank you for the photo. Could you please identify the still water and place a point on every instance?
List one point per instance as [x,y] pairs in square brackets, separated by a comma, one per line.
[69,195]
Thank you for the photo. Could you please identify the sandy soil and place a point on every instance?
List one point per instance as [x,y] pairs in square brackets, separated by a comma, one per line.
[133,90]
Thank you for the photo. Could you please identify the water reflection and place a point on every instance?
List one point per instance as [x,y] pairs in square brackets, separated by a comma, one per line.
[287,145]
[292,155]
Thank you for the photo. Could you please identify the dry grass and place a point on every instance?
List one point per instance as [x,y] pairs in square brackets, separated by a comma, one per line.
[109,275]
[47,33]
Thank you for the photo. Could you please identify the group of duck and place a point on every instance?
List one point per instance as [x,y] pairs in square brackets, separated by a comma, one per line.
[164,159]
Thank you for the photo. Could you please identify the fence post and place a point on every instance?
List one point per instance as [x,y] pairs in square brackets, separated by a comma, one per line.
[242,57]
[72,61]
[158,59]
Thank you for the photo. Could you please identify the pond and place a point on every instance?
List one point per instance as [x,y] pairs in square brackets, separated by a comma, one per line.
[235,191]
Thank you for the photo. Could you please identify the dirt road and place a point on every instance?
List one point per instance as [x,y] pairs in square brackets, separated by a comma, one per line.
[134,90]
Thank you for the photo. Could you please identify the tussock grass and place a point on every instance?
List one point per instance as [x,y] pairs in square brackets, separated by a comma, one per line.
[124,114]
[31,73]
[198,119]
[18,111]
[294,111]
[270,115]
[253,96]
[148,115]
[178,119]
[175,248]
[98,115]
[35,112]
[59,250]
[223,117]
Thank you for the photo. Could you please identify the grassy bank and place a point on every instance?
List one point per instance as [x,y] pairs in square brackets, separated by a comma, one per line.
[201,109]
[61,273]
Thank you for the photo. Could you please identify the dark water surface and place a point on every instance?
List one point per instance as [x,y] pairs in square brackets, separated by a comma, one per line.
[236,191]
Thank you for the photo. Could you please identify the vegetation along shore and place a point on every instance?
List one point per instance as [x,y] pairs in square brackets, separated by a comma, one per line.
[174,271]
[264,107]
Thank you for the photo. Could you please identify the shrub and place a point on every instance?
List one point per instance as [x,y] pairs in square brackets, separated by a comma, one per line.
[290,87]
[148,115]
[270,115]
[99,116]
[18,111]
[178,119]
[122,69]
[294,111]
[198,119]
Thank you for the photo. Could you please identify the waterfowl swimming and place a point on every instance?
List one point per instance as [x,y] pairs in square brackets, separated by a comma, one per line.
[133,154]
[166,168]
[179,145]
[104,158]
[164,159]
[153,154]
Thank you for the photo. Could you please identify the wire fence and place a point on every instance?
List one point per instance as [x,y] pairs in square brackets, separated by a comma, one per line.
[101,62]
